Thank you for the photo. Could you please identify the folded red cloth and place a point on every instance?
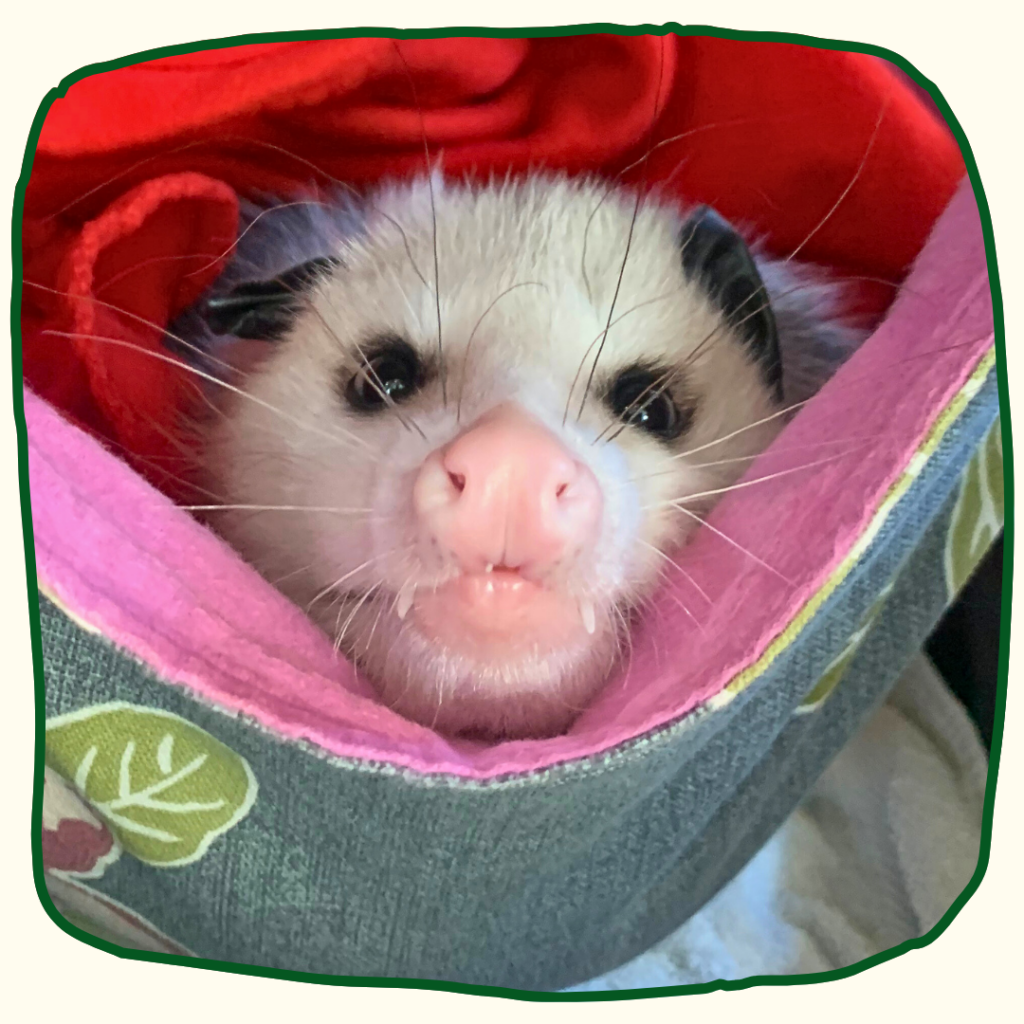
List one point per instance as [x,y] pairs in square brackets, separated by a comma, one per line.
[131,199]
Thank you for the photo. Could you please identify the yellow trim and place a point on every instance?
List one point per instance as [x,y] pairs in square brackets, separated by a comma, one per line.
[73,616]
[917,462]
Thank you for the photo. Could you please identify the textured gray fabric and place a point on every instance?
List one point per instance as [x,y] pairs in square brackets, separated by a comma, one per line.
[540,881]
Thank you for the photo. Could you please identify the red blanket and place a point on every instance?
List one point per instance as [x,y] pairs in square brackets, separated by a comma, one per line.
[131,199]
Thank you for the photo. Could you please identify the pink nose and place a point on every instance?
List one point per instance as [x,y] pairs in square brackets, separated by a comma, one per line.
[508,493]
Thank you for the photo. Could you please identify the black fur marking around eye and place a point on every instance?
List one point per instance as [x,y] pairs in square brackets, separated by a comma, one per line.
[715,255]
[264,310]
[639,397]
[392,372]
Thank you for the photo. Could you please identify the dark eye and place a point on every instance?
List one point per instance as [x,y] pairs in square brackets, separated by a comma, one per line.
[391,373]
[638,396]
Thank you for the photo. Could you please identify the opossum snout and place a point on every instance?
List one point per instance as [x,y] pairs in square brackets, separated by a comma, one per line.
[507,492]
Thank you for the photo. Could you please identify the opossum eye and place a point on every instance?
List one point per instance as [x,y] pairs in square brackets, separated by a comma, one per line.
[391,373]
[638,397]
[716,256]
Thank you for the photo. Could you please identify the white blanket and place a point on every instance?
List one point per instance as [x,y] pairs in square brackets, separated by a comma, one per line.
[874,856]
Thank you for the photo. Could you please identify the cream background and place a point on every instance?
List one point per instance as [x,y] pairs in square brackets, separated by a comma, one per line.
[972,53]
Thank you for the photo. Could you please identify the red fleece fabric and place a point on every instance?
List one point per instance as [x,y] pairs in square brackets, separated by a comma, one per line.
[131,205]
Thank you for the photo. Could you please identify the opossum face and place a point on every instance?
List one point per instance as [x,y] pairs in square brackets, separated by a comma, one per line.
[464,473]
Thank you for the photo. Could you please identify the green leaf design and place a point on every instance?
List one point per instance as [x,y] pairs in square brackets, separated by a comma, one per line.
[832,675]
[829,681]
[978,514]
[165,787]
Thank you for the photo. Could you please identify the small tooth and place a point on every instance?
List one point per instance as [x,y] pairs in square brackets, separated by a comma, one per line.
[587,614]
[489,567]
[405,598]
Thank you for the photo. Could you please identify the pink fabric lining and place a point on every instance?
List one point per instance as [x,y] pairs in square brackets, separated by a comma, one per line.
[123,558]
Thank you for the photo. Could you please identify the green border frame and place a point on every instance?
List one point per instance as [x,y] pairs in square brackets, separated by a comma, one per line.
[542,32]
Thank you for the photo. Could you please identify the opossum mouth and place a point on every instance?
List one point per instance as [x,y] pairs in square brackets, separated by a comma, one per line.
[497,614]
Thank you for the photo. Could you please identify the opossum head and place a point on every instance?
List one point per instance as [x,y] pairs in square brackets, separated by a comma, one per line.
[481,434]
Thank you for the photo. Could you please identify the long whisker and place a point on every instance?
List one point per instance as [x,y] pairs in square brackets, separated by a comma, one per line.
[770,453]
[352,615]
[352,192]
[276,508]
[278,580]
[623,637]
[590,347]
[373,629]
[340,601]
[359,568]
[736,122]
[263,213]
[739,547]
[675,565]
[211,379]
[433,219]
[693,618]
[719,331]
[728,323]
[664,379]
[191,346]
[150,262]
[635,404]
[767,303]
[678,502]
[611,309]
[792,407]
[258,144]
[629,237]
[343,185]
[153,463]
[853,181]
[472,335]
[123,174]
[775,452]
[742,430]
[667,579]
[636,163]
[338,582]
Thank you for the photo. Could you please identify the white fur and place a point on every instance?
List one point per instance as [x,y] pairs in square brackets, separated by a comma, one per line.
[294,442]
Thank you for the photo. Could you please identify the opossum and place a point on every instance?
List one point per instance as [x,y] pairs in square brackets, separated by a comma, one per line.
[467,425]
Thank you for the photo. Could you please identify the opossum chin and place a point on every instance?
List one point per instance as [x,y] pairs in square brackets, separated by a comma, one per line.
[471,682]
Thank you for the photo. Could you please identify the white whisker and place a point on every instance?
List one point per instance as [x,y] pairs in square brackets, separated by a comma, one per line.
[696,586]
[741,430]
[693,618]
[352,615]
[849,187]
[170,360]
[275,508]
[163,331]
[772,453]
[677,503]
[472,334]
[739,547]
[338,582]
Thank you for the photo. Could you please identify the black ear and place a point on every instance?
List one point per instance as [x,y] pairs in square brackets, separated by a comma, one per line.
[263,310]
[715,255]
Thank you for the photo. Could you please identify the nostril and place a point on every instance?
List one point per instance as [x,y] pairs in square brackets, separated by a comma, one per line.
[564,475]
[458,481]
